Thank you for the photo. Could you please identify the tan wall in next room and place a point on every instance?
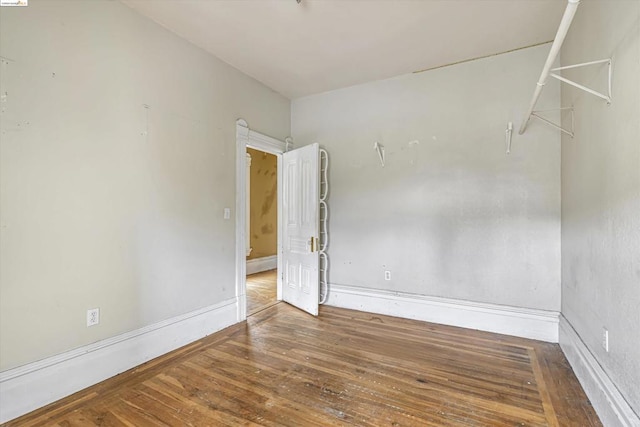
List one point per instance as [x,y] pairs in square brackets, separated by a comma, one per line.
[264,204]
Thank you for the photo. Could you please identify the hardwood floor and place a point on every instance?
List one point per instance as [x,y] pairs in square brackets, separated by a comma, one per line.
[261,291]
[285,368]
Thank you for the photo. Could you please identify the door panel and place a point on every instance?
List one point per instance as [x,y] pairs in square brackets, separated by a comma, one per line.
[301,227]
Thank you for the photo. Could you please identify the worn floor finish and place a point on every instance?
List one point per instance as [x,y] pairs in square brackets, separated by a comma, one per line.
[261,291]
[286,368]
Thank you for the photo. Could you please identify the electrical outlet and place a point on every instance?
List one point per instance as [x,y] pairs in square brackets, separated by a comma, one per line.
[387,275]
[227,213]
[93,316]
[605,339]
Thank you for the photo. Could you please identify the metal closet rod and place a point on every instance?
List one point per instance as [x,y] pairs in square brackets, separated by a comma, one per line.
[567,18]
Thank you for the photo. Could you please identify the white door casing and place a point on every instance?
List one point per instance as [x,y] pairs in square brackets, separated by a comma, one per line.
[300,228]
[248,207]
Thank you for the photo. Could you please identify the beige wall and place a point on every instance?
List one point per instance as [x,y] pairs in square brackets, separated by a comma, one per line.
[450,214]
[264,204]
[94,212]
[601,191]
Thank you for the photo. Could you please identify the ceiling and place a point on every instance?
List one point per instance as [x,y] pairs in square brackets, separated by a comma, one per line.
[320,45]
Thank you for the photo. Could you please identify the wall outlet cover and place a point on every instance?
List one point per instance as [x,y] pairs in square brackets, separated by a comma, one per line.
[93,316]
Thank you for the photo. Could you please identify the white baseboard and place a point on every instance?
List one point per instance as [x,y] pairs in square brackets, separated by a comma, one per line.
[258,265]
[521,322]
[610,405]
[37,384]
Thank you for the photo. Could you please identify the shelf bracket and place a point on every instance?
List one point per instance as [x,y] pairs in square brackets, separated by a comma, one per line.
[606,97]
[509,134]
[550,123]
[380,150]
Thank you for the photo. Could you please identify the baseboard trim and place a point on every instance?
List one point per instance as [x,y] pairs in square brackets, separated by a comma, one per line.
[522,322]
[258,265]
[32,386]
[610,405]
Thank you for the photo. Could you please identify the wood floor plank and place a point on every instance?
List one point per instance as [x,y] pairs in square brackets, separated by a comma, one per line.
[261,291]
[286,368]
[549,412]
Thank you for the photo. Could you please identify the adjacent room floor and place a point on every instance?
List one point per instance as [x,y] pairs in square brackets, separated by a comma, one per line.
[261,291]
[284,367]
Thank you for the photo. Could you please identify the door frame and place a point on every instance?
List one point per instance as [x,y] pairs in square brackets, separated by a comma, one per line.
[247,138]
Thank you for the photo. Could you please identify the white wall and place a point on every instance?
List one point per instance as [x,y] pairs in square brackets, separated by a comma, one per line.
[601,191]
[450,214]
[93,212]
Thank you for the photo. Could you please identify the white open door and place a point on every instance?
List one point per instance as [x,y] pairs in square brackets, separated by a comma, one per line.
[300,221]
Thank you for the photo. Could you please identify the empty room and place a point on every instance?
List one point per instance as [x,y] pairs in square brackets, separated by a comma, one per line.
[320,213]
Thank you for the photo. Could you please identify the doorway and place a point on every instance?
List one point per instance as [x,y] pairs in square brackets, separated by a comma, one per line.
[246,138]
[298,206]
[262,228]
